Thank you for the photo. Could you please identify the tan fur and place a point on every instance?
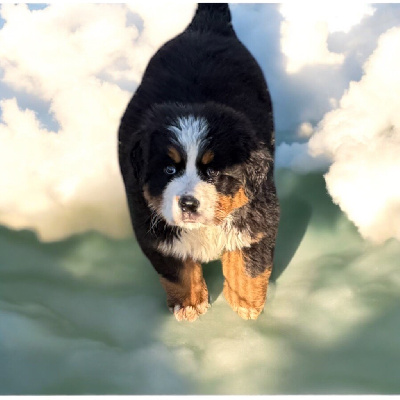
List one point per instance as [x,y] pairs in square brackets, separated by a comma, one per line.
[208,156]
[189,293]
[226,204]
[246,295]
[259,236]
[173,153]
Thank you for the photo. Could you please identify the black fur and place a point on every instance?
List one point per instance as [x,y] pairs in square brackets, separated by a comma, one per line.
[207,72]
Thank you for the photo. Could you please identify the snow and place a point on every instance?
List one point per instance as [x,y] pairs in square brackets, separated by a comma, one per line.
[87,315]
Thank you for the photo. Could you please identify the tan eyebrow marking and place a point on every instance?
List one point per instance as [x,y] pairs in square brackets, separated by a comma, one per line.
[173,153]
[208,156]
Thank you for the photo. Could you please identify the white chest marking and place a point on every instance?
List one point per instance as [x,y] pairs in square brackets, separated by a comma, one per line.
[205,244]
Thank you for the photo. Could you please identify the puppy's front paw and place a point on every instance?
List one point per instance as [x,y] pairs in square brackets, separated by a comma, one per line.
[244,305]
[189,313]
[246,312]
[188,297]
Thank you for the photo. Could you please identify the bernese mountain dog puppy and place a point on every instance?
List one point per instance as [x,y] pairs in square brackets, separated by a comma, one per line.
[196,153]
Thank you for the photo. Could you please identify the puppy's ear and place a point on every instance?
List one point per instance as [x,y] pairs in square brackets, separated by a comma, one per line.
[131,158]
[137,161]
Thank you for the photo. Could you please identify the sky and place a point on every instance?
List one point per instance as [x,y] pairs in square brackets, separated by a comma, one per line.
[81,309]
[68,75]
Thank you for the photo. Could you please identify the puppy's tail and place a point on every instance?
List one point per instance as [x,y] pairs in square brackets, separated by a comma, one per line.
[212,17]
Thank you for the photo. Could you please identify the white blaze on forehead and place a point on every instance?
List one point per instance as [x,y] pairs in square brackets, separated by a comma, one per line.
[189,133]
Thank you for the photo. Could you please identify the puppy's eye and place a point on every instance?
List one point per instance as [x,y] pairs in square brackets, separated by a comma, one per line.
[212,173]
[170,170]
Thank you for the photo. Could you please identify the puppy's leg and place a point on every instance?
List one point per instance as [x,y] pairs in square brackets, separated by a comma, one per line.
[247,275]
[187,296]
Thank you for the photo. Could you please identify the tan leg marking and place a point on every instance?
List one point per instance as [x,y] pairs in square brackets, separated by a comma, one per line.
[188,298]
[227,204]
[246,295]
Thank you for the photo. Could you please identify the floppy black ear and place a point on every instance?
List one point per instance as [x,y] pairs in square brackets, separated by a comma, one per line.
[137,161]
[131,158]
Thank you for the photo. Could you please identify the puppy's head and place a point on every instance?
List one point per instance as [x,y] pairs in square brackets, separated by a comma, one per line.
[195,163]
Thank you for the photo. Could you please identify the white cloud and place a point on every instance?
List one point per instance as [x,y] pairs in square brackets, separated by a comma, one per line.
[73,57]
[305,31]
[162,22]
[305,130]
[362,138]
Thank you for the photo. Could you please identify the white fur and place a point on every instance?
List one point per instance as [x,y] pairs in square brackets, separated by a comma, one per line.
[189,185]
[190,131]
[176,308]
[206,243]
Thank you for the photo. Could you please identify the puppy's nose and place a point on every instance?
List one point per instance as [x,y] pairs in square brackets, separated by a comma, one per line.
[188,203]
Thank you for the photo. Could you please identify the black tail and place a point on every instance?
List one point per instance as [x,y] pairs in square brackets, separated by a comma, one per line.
[214,17]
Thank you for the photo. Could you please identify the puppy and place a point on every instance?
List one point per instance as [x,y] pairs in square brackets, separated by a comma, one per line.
[196,153]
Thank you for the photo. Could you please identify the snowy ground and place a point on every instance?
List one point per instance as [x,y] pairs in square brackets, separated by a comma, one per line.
[88,315]
[81,309]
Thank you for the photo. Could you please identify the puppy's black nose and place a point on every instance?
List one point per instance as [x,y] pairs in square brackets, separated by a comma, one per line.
[188,203]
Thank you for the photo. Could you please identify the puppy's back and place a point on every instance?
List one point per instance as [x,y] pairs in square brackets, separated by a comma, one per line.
[207,63]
